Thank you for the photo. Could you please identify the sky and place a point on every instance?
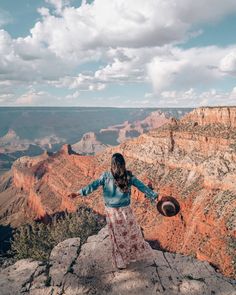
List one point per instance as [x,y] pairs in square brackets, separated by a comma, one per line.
[118,53]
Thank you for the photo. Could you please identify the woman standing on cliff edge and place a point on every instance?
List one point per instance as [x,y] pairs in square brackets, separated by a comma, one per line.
[128,244]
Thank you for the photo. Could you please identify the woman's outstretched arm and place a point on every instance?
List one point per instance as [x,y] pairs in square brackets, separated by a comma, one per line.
[92,186]
[143,188]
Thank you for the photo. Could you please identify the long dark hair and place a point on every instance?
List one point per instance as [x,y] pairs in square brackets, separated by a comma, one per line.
[119,172]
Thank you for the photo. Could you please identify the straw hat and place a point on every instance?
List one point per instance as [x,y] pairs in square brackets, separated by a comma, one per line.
[168,206]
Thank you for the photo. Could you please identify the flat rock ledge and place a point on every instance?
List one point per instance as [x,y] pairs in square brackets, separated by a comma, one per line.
[88,269]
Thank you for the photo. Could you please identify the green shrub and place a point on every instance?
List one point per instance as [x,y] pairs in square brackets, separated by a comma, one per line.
[37,239]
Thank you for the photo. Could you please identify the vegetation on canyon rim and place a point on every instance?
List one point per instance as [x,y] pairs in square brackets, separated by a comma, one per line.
[36,240]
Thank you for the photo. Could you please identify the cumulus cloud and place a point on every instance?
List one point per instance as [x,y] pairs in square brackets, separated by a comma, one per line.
[124,65]
[132,24]
[228,63]
[135,42]
[87,33]
[31,97]
[120,72]
[58,4]
[165,67]
[36,98]
[23,60]
[189,68]
[82,82]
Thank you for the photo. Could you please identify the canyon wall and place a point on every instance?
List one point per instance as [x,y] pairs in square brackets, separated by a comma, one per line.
[193,159]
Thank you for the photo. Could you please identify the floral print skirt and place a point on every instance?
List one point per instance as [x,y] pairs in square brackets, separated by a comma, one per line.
[128,244]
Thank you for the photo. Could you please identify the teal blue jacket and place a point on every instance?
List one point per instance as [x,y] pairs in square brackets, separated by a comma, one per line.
[112,194]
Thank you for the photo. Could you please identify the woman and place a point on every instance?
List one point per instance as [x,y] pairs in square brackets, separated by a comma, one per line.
[128,244]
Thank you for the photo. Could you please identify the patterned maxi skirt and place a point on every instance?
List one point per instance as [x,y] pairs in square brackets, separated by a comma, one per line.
[128,244]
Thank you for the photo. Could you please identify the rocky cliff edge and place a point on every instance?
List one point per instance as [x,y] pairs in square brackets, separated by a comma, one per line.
[88,269]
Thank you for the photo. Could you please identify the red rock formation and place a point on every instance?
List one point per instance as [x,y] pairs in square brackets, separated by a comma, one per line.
[153,120]
[89,144]
[11,142]
[191,160]
[210,115]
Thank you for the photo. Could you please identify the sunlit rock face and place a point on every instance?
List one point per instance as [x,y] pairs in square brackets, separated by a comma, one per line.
[225,116]
[193,159]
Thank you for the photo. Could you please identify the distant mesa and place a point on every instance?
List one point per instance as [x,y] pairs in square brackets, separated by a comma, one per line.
[92,143]
[129,130]
[13,147]
[9,137]
[11,134]
[89,144]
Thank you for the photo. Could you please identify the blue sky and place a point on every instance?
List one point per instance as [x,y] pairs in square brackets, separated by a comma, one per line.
[220,33]
[124,53]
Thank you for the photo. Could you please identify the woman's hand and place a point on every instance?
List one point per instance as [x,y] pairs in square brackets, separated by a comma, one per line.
[159,197]
[73,195]
[150,186]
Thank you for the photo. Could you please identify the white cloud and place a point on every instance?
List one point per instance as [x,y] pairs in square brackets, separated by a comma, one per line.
[192,97]
[74,95]
[134,41]
[165,67]
[81,82]
[98,86]
[6,97]
[33,97]
[23,60]
[228,63]
[89,33]
[43,11]
[82,32]
[187,68]
[124,65]
[121,71]
[58,4]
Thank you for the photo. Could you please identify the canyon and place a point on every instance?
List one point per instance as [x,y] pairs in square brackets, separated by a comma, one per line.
[192,159]
[30,132]
[93,142]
